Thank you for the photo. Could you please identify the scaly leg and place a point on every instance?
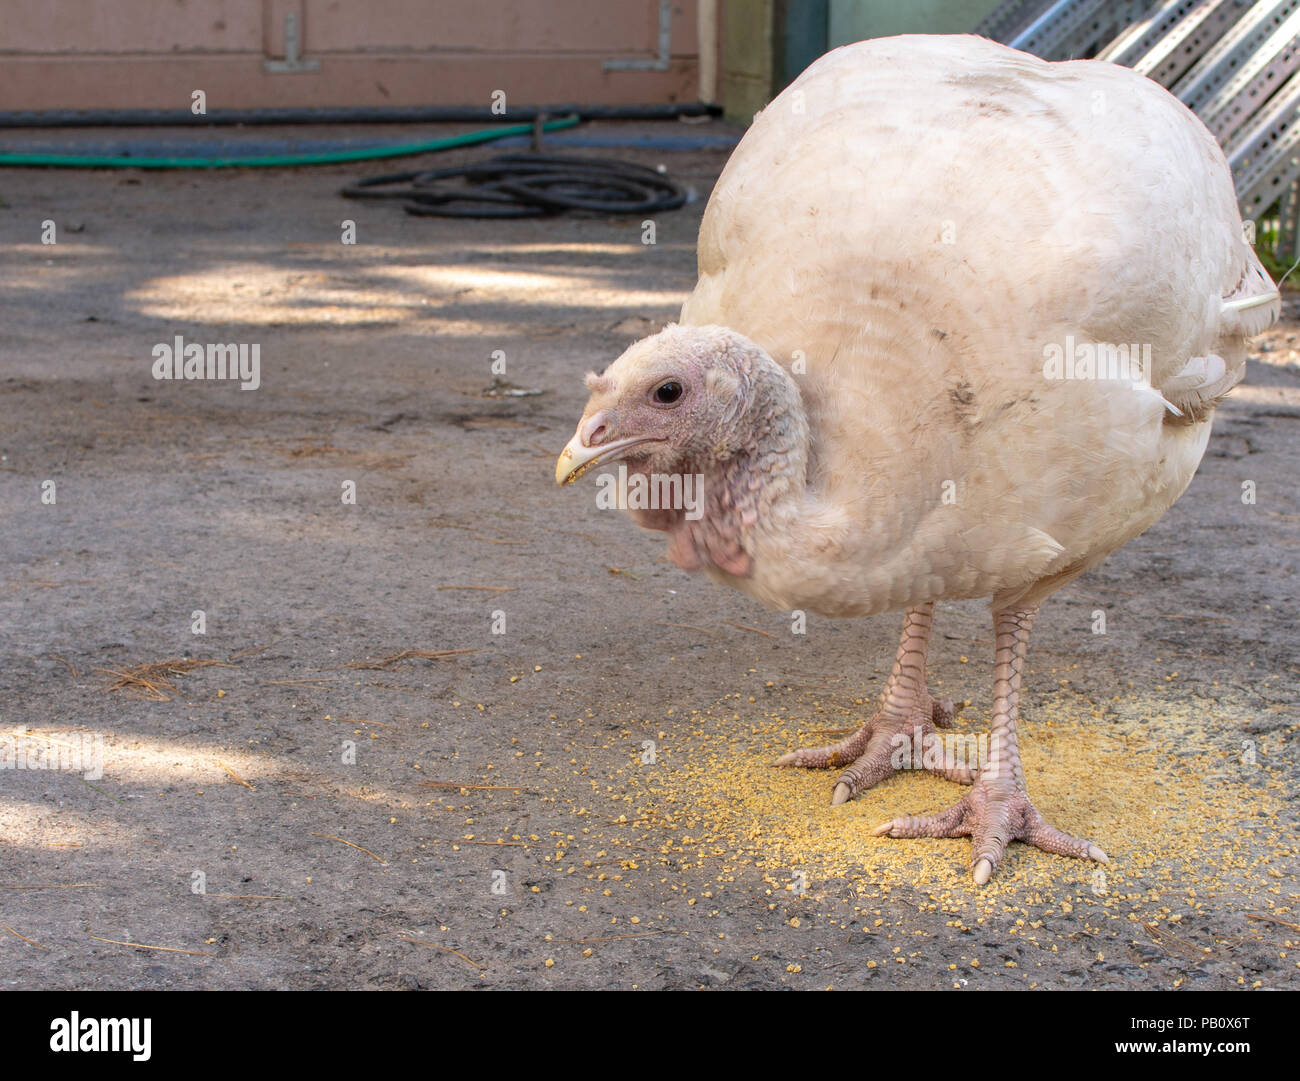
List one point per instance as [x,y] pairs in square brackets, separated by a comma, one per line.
[997,809]
[906,720]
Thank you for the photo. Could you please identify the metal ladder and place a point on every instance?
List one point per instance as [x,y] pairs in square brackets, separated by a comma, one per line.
[1235,63]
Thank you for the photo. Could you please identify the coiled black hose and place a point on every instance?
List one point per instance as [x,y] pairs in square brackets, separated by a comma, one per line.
[525,186]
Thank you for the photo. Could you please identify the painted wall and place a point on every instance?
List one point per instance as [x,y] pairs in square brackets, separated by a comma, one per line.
[853,20]
[155,53]
[747,46]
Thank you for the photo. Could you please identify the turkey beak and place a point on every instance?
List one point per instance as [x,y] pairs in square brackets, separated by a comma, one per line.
[577,456]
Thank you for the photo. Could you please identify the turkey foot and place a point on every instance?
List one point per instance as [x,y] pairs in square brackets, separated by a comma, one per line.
[997,810]
[886,744]
[993,814]
[902,734]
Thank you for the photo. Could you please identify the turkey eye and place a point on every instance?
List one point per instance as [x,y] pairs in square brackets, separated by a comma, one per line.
[667,393]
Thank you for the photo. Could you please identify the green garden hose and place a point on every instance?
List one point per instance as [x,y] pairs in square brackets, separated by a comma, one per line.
[472,138]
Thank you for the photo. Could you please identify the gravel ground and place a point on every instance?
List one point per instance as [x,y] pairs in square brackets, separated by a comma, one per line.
[582,800]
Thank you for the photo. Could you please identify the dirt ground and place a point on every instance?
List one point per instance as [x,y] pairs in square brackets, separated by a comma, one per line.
[583,800]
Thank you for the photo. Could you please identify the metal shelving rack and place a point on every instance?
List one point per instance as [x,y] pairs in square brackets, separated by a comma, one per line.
[1235,63]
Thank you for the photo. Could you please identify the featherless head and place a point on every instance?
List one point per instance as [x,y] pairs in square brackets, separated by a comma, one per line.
[680,399]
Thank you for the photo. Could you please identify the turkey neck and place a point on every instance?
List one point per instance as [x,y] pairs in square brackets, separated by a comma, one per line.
[763,529]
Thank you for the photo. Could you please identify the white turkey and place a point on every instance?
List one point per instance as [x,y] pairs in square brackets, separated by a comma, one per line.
[961,322]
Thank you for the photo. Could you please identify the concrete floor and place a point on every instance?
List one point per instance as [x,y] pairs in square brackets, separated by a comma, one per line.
[1170,739]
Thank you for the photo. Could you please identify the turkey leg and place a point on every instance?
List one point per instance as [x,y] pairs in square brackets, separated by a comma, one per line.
[997,809]
[905,722]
